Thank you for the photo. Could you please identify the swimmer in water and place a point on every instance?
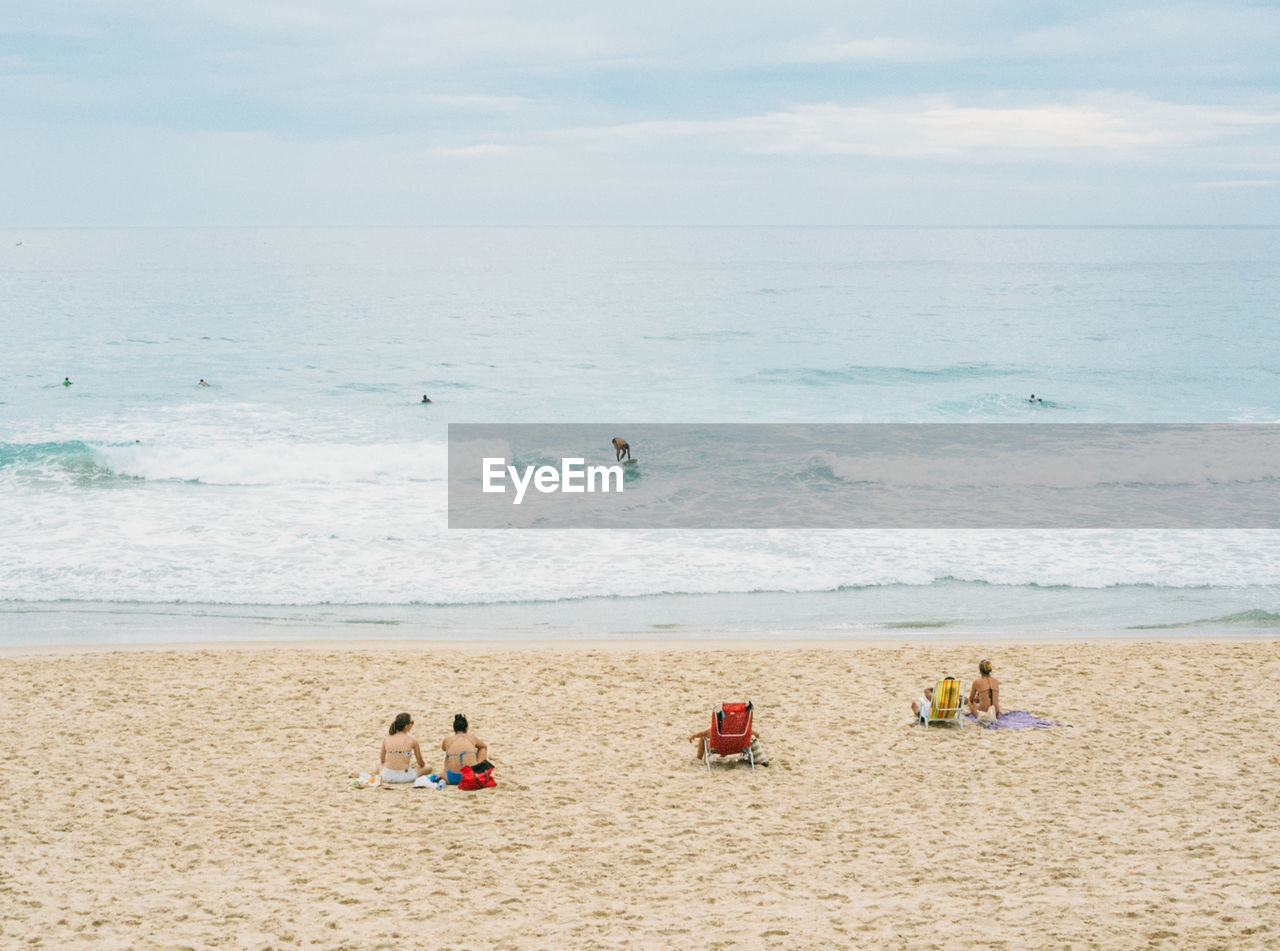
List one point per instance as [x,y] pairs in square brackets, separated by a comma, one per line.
[66,381]
[203,383]
[425,399]
[1034,400]
[621,448]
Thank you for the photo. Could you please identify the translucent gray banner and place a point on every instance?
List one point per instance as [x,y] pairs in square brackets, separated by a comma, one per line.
[864,476]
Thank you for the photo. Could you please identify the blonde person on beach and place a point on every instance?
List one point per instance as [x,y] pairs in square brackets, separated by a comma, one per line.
[462,749]
[984,695]
[400,753]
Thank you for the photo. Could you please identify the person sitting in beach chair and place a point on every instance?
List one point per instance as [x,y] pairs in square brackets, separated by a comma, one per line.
[923,702]
[945,703]
[730,735]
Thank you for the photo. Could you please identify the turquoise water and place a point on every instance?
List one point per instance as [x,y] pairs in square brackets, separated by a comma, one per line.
[309,479]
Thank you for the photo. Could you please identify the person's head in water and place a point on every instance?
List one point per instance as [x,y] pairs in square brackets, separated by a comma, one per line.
[984,668]
[401,723]
[459,723]
[425,399]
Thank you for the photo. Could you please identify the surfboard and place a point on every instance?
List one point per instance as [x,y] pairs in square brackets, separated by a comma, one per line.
[630,462]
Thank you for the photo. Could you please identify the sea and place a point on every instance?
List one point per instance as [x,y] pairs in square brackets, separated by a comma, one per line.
[303,492]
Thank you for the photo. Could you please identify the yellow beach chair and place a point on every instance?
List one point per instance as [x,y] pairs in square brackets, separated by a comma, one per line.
[948,703]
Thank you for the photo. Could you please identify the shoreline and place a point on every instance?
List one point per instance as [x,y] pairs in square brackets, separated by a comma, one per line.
[943,611]
[701,642]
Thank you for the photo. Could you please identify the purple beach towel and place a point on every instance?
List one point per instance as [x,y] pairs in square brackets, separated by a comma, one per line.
[1014,720]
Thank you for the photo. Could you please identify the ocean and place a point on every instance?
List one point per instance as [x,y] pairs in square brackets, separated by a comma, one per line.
[304,489]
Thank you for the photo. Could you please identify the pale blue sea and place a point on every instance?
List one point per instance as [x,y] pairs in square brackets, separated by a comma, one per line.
[304,489]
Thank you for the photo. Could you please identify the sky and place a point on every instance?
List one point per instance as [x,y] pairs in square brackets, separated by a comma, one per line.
[422,113]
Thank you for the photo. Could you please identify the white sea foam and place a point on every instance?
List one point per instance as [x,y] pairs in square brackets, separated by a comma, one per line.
[1172,459]
[276,462]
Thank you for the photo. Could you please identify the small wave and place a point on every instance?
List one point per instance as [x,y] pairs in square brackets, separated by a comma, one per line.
[70,462]
[1020,466]
[274,463]
[370,387]
[907,625]
[26,453]
[1253,618]
[881,376]
[699,336]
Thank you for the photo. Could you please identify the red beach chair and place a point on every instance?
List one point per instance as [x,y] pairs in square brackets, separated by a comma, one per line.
[730,733]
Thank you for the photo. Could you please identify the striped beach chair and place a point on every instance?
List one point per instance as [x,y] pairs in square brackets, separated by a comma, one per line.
[948,703]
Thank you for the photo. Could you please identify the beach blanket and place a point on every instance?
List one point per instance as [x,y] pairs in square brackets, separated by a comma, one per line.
[1014,720]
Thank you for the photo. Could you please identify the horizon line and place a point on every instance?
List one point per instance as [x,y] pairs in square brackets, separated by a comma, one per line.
[545,226]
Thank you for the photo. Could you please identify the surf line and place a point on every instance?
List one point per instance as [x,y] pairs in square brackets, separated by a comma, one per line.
[573,476]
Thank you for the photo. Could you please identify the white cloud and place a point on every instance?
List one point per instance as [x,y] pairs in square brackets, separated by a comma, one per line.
[1238,183]
[884,49]
[467,151]
[1193,34]
[1115,126]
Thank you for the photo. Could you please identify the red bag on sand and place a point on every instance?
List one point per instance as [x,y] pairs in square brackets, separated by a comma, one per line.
[471,779]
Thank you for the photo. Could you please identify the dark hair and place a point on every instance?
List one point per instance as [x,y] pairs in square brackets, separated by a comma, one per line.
[401,722]
[459,723]
[984,668]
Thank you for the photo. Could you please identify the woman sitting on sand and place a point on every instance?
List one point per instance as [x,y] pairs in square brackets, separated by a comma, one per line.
[462,749]
[984,695]
[399,750]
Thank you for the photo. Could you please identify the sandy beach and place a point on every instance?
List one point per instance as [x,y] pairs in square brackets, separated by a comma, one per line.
[198,797]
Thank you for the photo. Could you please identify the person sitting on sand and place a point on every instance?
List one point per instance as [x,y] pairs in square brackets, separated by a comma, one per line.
[621,448]
[920,707]
[984,695]
[399,750]
[462,749]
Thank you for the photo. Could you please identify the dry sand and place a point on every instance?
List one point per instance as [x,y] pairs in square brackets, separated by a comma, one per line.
[199,798]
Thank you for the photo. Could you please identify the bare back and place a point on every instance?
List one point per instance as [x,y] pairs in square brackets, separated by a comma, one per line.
[461,749]
[985,693]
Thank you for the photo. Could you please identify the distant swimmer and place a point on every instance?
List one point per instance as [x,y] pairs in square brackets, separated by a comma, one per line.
[621,448]
[66,381]
[425,398]
[203,383]
[1034,399]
